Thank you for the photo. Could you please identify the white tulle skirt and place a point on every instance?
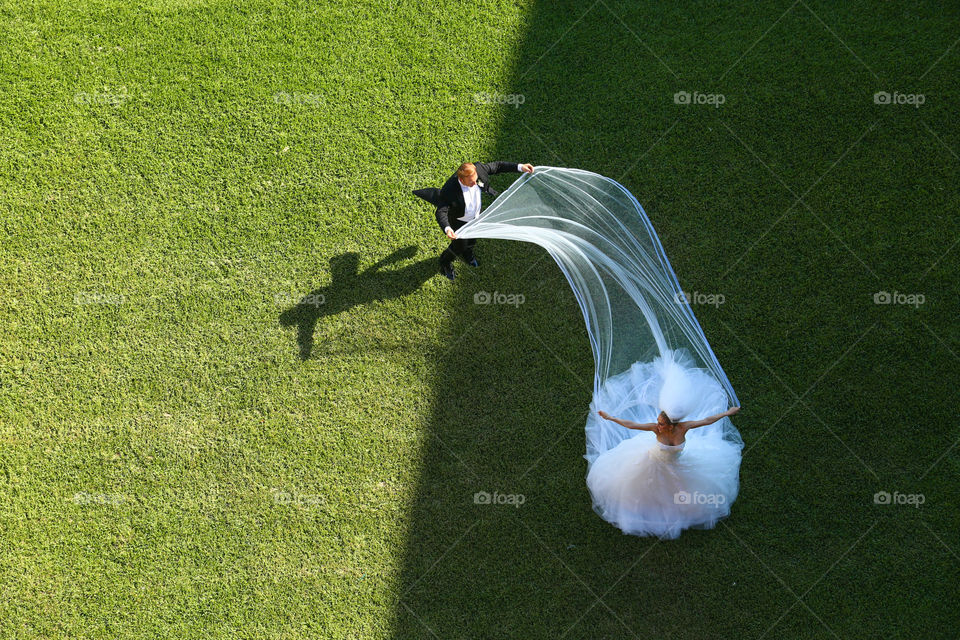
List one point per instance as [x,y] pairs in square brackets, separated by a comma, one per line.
[646,488]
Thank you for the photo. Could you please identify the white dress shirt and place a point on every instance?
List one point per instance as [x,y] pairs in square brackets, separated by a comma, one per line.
[471,201]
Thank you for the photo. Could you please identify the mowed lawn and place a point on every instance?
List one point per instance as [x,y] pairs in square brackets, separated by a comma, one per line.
[237,399]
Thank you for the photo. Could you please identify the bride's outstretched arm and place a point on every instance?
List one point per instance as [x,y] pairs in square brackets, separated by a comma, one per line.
[693,424]
[629,424]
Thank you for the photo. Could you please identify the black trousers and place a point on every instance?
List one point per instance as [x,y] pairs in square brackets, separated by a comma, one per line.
[458,247]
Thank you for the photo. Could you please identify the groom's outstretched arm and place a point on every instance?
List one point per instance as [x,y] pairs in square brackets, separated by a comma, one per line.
[504,167]
[499,167]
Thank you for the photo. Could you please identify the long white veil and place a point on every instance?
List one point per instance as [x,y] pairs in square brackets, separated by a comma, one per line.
[634,308]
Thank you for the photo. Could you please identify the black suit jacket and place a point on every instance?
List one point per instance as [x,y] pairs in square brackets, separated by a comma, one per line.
[449,199]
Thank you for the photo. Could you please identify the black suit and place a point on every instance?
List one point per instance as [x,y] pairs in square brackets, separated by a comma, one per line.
[451,207]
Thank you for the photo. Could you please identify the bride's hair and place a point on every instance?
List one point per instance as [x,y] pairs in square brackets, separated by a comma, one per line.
[663,417]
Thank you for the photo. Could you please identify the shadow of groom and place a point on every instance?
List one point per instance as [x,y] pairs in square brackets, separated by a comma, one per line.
[349,288]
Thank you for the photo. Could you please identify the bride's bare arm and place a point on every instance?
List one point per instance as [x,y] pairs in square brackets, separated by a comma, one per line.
[629,424]
[693,424]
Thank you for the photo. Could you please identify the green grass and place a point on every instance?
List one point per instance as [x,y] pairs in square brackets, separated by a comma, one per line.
[207,459]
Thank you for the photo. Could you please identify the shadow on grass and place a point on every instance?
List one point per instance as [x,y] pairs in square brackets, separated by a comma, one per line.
[350,288]
[512,389]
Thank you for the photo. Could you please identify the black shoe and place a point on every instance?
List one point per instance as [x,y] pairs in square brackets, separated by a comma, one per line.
[447,270]
[473,262]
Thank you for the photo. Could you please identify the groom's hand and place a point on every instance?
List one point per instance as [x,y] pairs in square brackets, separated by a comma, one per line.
[528,168]
[450,233]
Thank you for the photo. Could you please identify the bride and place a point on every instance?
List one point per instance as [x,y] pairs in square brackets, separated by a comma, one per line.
[660,481]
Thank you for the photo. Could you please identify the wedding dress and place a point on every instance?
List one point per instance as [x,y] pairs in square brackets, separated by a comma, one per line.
[650,353]
[646,487]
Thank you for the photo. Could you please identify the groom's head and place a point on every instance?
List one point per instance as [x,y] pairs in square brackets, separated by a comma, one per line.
[467,174]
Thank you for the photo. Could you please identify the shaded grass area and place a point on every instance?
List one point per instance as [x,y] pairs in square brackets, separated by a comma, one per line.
[796,200]
[236,401]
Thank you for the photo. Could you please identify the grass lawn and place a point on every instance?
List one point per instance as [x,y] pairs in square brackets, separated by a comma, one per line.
[237,399]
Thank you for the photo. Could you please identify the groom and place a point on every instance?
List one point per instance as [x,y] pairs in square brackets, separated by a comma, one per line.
[458,202]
